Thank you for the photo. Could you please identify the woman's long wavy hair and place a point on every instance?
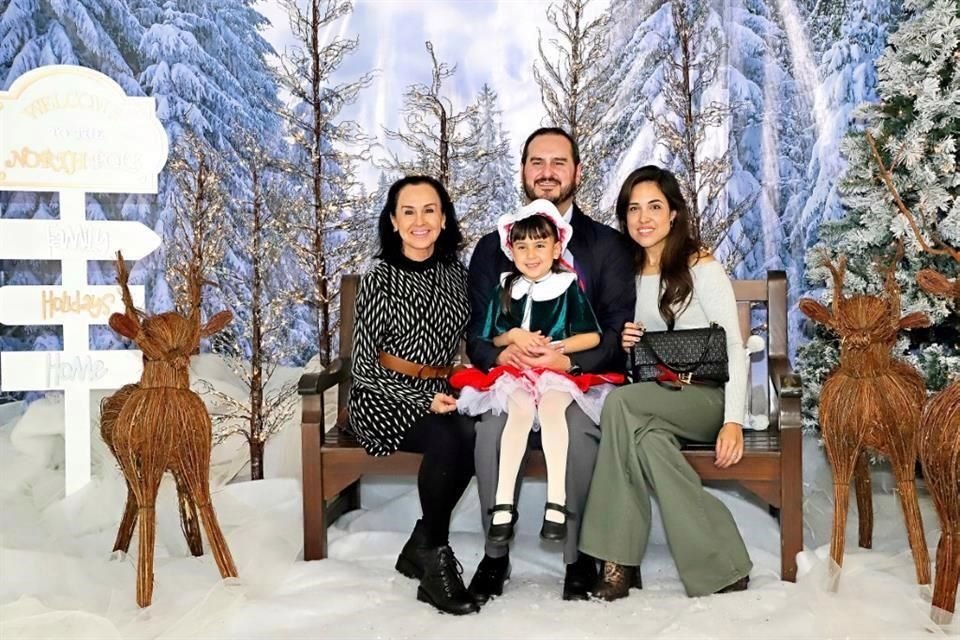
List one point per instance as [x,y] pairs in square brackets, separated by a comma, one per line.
[532,228]
[682,244]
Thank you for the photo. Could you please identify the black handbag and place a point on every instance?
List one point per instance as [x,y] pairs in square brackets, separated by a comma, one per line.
[687,356]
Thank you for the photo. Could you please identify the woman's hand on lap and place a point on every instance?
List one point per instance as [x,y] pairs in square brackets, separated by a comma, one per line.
[729,445]
[443,403]
[630,335]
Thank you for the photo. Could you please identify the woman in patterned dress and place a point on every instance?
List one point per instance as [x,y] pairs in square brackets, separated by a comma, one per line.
[412,311]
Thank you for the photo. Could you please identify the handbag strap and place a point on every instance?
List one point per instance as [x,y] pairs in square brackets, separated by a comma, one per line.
[706,347]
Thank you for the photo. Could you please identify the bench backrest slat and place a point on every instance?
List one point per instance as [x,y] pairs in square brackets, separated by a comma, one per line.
[771,293]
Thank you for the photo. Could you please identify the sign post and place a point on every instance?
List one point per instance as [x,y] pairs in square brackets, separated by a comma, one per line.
[73,130]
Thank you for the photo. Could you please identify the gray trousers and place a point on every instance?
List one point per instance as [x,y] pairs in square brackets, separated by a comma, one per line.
[583,443]
[640,459]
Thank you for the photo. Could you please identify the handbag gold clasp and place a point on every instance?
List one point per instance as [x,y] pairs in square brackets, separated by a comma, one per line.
[685,378]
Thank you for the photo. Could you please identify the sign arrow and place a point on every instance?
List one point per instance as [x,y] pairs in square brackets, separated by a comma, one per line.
[90,239]
[82,370]
[40,304]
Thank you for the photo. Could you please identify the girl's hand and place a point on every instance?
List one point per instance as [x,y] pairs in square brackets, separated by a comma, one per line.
[729,445]
[631,335]
[527,340]
[443,403]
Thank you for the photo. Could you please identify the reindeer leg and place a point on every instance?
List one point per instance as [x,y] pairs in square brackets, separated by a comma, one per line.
[948,577]
[842,453]
[904,466]
[128,523]
[864,491]
[148,527]
[193,460]
[189,522]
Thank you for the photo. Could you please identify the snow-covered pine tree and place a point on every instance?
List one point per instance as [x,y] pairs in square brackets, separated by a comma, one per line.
[916,124]
[101,34]
[205,64]
[692,119]
[497,169]
[849,79]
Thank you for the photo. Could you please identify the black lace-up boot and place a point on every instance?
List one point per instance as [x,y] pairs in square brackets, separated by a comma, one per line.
[442,586]
[415,553]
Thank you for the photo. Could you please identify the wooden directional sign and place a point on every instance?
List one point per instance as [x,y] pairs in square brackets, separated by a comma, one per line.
[23,305]
[90,239]
[84,370]
[70,127]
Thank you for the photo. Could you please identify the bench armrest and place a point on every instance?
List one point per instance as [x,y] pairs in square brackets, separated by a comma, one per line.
[785,400]
[316,383]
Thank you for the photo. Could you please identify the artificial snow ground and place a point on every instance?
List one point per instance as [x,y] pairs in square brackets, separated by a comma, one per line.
[59,579]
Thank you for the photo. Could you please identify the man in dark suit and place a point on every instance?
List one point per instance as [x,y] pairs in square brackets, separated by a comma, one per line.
[551,169]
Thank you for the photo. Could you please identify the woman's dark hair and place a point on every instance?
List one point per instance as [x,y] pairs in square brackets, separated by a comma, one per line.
[450,240]
[531,228]
[682,242]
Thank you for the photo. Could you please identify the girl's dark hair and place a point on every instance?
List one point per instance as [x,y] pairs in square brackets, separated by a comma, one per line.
[683,240]
[450,240]
[530,228]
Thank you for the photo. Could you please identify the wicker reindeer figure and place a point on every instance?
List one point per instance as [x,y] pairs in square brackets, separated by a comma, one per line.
[939,443]
[109,410]
[162,424]
[870,401]
[939,436]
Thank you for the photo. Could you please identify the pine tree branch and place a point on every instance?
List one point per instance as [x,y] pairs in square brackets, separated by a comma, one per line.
[888,181]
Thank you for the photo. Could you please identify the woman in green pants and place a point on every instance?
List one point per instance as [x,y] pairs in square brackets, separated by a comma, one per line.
[679,286]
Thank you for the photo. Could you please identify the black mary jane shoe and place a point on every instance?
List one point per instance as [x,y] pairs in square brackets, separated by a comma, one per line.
[502,533]
[554,530]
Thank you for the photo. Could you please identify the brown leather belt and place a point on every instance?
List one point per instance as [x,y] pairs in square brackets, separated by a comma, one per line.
[412,369]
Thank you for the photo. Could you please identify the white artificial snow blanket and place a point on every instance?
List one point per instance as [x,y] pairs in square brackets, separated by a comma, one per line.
[59,579]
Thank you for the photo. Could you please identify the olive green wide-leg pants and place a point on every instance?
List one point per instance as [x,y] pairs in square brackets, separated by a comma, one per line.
[640,458]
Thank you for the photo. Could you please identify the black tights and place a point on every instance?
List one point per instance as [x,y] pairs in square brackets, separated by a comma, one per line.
[446,442]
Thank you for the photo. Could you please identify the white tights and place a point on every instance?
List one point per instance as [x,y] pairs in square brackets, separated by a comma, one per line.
[552,412]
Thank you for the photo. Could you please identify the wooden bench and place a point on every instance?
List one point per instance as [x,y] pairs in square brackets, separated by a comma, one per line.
[333,462]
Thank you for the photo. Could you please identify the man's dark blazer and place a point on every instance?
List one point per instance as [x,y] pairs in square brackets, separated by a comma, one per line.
[603,261]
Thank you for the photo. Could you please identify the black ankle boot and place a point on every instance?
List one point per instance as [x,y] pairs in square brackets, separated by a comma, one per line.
[489,578]
[415,553]
[442,586]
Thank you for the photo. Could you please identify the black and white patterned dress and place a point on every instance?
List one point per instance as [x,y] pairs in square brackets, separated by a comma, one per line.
[417,311]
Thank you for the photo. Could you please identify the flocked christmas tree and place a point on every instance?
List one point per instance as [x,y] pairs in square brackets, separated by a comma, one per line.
[916,124]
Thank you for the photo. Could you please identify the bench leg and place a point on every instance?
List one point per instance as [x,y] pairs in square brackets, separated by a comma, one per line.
[791,502]
[314,516]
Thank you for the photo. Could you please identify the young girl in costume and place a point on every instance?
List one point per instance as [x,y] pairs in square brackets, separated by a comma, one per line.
[538,304]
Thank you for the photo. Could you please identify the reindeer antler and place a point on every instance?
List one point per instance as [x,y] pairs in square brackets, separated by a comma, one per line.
[837,272]
[946,250]
[123,278]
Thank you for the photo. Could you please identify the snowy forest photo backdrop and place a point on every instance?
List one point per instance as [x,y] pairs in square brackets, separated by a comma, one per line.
[287,120]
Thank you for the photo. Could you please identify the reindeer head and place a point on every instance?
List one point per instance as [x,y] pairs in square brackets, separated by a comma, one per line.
[169,336]
[863,320]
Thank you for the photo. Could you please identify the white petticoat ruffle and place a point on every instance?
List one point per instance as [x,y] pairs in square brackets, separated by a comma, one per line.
[474,402]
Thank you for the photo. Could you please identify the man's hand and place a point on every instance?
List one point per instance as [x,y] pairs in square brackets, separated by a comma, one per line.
[547,357]
[511,356]
[729,445]
[443,403]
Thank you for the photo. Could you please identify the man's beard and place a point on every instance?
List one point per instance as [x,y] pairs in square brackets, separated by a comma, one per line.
[562,195]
